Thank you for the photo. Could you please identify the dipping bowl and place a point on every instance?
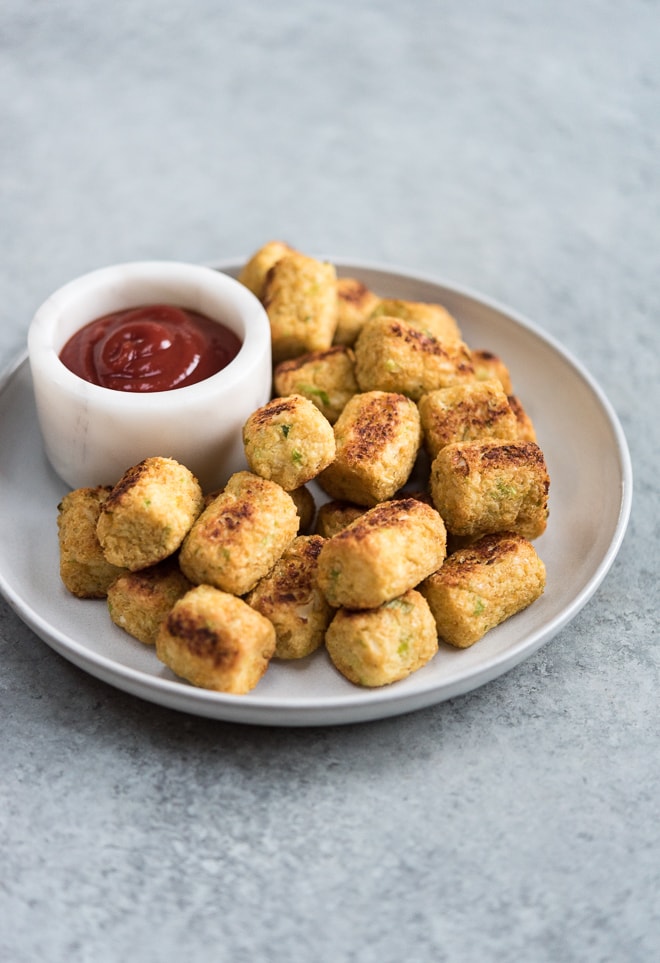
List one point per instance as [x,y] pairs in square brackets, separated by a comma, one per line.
[92,434]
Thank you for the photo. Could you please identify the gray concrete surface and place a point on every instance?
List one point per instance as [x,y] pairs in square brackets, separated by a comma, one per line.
[510,147]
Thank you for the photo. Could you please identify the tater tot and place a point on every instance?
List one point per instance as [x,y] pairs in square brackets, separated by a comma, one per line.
[254,272]
[481,487]
[216,641]
[377,436]
[240,535]
[306,508]
[480,586]
[327,378]
[392,355]
[148,513]
[291,599]
[380,555]
[288,441]
[382,645]
[488,366]
[335,515]
[139,601]
[355,303]
[84,569]
[300,298]
[431,319]
[478,409]
[525,425]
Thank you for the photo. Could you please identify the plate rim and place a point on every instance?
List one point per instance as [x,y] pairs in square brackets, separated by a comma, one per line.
[369,704]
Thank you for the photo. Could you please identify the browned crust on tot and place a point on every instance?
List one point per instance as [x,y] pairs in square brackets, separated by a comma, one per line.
[487,550]
[499,455]
[278,406]
[353,291]
[126,483]
[215,644]
[386,513]
[216,640]
[377,425]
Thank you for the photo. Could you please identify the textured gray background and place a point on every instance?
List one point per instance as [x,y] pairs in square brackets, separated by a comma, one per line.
[513,147]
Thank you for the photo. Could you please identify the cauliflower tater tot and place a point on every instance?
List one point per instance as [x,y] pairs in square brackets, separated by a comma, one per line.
[254,272]
[300,298]
[84,569]
[392,355]
[380,555]
[378,436]
[288,441]
[148,513]
[488,366]
[291,599]
[481,487]
[355,303]
[325,377]
[139,601]
[430,319]
[482,585]
[216,641]
[240,535]
[478,409]
[526,430]
[383,645]
[335,515]
[306,508]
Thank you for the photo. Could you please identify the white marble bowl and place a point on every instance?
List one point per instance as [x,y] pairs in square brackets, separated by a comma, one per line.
[91,434]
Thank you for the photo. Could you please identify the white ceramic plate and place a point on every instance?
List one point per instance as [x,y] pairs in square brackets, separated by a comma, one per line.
[590,496]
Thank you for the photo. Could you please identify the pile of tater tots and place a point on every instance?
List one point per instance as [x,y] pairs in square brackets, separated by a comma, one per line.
[429,488]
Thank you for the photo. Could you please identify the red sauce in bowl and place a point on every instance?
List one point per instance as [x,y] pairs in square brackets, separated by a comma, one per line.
[156,347]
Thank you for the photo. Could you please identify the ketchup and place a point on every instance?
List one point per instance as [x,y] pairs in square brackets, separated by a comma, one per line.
[151,348]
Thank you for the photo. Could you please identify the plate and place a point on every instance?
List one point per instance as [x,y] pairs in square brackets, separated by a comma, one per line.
[590,497]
